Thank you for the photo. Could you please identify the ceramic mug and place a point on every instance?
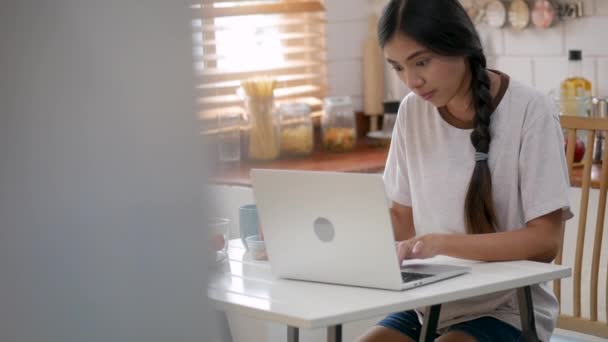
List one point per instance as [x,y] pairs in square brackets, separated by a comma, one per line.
[249,223]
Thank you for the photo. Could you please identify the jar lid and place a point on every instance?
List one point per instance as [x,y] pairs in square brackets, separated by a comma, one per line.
[575,55]
[294,108]
[599,107]
[338,103]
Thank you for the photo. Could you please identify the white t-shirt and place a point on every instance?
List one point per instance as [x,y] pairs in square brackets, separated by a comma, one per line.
[429,167]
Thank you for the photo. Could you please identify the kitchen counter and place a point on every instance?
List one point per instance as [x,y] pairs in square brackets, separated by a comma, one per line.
[576,178]
[364,158]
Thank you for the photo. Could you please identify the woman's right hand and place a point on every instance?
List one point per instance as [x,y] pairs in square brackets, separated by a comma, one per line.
[419,247]
[405,249]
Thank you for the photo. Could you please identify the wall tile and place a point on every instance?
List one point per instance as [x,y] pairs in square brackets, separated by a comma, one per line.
[491,62]
[534,42]
[586,34]
[589,6]
[519,68]
[601,7]
[357,103]
[590,72]
[602,81]
[344,77]
[492,40]
[344,10]
[549,72]
[345,39]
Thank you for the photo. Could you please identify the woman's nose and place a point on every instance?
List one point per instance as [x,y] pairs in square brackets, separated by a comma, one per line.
[413,80]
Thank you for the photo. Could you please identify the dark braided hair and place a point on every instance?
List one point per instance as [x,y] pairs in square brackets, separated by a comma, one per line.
[444,27]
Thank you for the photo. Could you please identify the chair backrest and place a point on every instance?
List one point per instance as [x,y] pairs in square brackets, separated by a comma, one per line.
[582,176]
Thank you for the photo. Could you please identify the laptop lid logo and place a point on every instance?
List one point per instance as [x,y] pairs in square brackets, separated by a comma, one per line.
[324,229]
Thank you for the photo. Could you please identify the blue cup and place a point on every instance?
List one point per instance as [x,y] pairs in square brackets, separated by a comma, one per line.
[249,224]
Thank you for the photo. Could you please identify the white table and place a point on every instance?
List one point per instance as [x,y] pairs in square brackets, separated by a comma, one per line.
[247,286]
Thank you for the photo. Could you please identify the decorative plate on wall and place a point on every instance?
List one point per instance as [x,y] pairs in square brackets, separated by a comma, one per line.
[543,14]
[471,7]
[519,14]
[496,13]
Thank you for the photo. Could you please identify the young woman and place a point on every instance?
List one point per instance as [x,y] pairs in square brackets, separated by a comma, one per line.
[476,169]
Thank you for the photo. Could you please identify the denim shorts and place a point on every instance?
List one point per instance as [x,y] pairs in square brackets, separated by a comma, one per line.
[483,329]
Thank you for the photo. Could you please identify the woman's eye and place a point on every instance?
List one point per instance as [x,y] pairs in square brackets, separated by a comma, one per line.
[397,68]
[422,62]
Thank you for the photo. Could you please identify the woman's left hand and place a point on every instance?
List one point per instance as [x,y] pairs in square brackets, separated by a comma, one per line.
[419,247]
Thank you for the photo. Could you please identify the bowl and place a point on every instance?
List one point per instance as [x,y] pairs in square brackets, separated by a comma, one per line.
[257,247]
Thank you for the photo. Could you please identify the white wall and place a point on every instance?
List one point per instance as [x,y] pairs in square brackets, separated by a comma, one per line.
[536,57]
[346,31]
[540,57]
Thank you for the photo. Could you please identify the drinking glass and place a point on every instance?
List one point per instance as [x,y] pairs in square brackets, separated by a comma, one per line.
[218,229]
[229,137]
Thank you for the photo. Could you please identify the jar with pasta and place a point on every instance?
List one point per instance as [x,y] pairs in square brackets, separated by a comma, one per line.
[262,121]
[338,124]
[296,129]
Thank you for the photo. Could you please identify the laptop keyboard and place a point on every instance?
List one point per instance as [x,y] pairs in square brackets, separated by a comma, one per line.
[409,276]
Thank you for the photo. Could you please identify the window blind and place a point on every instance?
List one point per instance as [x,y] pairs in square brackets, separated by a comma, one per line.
[236,40]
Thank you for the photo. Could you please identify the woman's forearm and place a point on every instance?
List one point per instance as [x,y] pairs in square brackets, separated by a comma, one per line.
[402,221]
[521,244]
[540,240]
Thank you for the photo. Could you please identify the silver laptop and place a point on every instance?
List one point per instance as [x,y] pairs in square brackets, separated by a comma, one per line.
[335,228]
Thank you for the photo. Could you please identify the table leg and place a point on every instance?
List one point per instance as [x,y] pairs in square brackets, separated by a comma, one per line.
[293,334]
[334,333]
[526,312]
[429,326]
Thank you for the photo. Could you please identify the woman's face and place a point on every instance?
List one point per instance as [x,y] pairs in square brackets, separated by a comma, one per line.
[437,79]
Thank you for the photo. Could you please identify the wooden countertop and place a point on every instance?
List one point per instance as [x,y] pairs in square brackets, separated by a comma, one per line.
[576,179]
[364,158]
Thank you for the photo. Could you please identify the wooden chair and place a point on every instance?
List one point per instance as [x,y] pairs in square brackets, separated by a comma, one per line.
[576,322]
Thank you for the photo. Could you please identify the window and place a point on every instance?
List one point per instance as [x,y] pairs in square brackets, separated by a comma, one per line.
[235,40]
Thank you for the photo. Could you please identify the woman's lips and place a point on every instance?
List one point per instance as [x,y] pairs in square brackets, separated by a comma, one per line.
[429,95]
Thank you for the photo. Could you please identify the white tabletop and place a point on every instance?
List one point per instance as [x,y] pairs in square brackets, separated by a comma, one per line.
[247,286]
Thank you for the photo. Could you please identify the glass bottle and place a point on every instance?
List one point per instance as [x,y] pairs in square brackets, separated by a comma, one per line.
[296,129]
[575,90]
[338,124]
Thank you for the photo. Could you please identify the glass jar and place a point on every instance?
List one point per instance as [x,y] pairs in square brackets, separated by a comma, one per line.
[338,124]
[296,129]
[263,138]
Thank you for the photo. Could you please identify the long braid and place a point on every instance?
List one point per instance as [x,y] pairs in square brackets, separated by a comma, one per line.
[444,27]
[480,215]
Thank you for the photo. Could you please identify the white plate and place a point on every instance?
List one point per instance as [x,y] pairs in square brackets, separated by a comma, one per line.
[496,14]
[519,14]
